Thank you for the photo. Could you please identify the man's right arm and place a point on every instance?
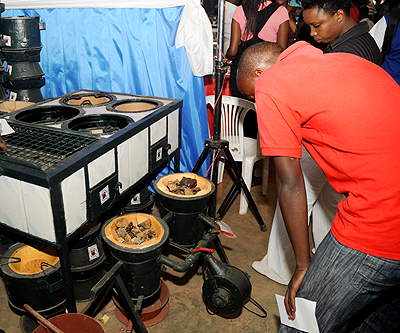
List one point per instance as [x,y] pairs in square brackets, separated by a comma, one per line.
[293,203]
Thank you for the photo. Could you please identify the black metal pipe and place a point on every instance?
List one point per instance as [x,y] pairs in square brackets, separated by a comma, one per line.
[168,217]
[194,256]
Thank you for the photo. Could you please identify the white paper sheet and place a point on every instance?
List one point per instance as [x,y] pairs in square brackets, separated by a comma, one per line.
[5,128]
[305,314]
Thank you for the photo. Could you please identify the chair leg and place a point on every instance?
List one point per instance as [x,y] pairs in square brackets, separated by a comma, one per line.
[247,174]
[265,174]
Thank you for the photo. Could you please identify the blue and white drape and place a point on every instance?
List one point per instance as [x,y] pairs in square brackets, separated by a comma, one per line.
[122,50]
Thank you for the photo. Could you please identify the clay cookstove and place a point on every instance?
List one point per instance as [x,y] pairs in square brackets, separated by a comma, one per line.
[138,246]
[32,275]
[186,228]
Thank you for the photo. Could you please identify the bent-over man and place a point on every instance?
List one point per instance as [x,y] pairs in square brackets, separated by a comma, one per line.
[352,133]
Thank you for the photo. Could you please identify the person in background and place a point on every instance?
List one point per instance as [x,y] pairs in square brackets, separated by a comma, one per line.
[354,13]
[364,16]
[294,19]
[371,10]
[391,63]
[230,6]
[330,23]
[387,7]
[255,21]
[338,118]
[3,144]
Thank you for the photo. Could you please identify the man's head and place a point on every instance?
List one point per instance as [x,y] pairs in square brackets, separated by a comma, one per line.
[253,62]
[328,19]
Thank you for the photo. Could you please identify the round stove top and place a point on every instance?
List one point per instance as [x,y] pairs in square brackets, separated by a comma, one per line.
[135,105]
[90,99]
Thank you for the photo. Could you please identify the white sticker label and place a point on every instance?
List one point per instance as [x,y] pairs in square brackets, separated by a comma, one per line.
[13,96]
[159,154]
[7,39]
[9,69]
[135,199]
[93,252]
[104,194]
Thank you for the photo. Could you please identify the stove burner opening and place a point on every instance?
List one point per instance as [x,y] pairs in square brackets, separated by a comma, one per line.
[98,124]
[33,261]
[183,185]
[47,115]
[88,99]
[135,231]
[135,105]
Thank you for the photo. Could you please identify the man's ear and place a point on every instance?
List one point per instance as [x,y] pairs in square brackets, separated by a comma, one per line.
[340,15]
[258,71]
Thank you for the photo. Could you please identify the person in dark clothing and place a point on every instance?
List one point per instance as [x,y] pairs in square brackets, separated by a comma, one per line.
[330,22]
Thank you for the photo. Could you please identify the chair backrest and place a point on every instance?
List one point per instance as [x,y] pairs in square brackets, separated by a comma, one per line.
[233,112]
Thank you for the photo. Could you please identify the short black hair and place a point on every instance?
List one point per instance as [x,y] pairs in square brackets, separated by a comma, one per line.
[263,52]
[329,6]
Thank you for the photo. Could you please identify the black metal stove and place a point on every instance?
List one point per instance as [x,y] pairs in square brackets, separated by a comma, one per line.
[55,180]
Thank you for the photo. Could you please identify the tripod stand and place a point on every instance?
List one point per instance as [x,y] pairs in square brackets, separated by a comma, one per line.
[215,145]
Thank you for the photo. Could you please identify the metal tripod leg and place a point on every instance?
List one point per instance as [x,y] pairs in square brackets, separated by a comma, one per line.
[113,276]
[239,184]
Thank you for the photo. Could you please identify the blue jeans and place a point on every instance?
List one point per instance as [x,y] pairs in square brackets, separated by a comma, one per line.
[351,286]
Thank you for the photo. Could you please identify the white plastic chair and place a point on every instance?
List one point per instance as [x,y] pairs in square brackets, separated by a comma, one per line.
[243,149]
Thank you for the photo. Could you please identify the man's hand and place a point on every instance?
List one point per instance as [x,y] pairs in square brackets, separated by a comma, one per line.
[3,145]
[291,292]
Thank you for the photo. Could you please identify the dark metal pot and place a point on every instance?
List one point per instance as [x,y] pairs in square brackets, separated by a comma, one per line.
[24,70]
[21,32]
[26,95]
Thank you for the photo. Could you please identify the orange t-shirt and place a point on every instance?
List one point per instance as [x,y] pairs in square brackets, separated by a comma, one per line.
[346,112]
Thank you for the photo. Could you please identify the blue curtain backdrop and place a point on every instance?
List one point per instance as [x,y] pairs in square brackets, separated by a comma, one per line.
[128,51]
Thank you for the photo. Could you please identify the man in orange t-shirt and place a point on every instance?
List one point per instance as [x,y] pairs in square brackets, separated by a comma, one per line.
[352,132]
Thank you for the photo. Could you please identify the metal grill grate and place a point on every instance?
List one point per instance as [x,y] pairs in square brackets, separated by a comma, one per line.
[41,148]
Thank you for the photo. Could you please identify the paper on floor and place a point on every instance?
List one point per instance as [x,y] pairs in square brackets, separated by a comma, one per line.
[305,314]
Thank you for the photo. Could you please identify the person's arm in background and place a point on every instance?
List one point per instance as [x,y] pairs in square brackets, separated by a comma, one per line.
[293,203]
[283,34]
[3,144]
[292,25]
[235,40]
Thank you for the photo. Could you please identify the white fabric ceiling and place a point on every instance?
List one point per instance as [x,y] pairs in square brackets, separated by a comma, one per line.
[36,4]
